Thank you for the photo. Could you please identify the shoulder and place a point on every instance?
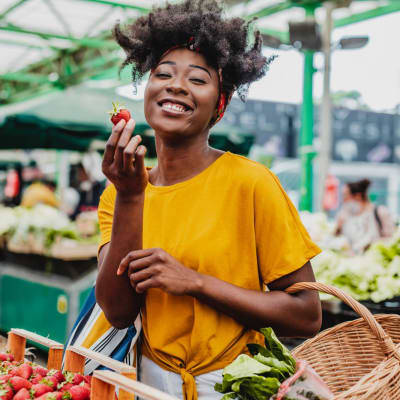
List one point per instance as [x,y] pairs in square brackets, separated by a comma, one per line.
[381,210]
[250,171]
[108,195]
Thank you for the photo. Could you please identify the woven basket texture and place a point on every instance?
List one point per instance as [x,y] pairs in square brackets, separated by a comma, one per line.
[359,359]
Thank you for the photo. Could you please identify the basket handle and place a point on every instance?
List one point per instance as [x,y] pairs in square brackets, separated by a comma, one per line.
[386,342]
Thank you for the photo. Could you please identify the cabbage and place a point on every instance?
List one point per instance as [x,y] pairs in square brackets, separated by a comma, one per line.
[374,275]
[36,229]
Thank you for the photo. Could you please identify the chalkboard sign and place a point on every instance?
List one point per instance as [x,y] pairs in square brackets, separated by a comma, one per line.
[272,124]
[357,135]
[362,135]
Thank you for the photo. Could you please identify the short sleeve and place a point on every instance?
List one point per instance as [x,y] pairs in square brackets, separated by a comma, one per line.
[283,244]
[105,214]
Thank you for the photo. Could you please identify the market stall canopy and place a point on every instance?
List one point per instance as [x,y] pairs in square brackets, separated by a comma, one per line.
[49,45]
[77,119]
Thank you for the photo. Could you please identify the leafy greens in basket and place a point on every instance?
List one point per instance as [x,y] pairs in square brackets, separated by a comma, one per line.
[272,373]
[258,377]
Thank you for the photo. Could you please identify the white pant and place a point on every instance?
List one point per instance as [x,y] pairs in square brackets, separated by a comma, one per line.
[171,383]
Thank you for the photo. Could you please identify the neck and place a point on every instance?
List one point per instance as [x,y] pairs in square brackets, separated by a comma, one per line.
[179,160]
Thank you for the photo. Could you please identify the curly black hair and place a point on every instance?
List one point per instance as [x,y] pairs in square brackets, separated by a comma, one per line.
[223,42]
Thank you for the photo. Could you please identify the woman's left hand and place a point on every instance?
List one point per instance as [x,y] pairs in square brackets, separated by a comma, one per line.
[155,268]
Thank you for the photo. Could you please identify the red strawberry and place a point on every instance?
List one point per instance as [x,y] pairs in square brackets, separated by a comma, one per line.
[77,392]
[24,370]
[6,393]
[64,386]
[36,378]
[77,379]
[50,396]
[22,394]
[74,378]
[13,372]
[5,378]
[39,389]
[86,385]
[18,383]
[52,381]
[37,369]
[118,113]
[16,362]
[58,374]
[6,357]
[88,379]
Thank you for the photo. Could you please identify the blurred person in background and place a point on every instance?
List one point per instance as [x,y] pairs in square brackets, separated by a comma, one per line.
[13,186]
[361,221]
[89,187]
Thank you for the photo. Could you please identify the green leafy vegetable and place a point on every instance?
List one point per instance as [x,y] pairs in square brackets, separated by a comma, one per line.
[277,348]
[258,377]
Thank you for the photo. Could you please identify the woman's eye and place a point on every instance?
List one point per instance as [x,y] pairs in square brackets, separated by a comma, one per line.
[163,75]
[197,80]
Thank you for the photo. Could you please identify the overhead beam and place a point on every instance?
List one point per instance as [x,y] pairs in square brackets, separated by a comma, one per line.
[31,93]
[363,16]
[273,9]
[283,36]
[24,77]
[13,7]
[143,10]
[22,44]
[59,16]
[87,42]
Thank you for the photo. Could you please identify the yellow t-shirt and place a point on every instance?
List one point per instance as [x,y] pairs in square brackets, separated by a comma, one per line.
[232,221]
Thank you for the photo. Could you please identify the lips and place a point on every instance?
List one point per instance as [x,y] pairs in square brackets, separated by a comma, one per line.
[175,106]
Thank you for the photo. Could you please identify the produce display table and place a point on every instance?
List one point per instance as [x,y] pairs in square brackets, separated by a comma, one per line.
[41,302]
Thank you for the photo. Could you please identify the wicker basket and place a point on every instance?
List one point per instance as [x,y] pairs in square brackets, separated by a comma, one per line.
[357,359]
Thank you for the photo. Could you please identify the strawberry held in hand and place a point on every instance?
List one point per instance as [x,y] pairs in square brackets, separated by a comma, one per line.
[118,113]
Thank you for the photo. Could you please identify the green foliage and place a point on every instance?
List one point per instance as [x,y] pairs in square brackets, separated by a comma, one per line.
[258,377]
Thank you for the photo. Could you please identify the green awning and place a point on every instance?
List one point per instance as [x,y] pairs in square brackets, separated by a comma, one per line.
[77,119]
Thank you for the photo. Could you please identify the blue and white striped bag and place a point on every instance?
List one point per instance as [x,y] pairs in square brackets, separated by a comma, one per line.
[93,331]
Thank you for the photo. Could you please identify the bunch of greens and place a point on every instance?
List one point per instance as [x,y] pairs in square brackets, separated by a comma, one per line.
[42,225]
[373,275]
[258,377]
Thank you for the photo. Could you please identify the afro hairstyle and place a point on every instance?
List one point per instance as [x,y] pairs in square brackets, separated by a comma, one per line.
[222,41]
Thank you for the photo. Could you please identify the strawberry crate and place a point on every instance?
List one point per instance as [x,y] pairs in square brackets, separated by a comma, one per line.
[103,383]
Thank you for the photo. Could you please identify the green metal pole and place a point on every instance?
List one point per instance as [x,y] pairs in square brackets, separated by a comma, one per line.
[307,131]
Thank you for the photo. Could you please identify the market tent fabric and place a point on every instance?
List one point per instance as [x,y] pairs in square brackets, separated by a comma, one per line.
[28,132]
[77,119]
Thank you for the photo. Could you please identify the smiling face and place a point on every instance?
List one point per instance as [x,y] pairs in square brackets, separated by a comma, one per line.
[181,95]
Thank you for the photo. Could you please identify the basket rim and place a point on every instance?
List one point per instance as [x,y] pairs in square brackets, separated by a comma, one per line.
[332,330]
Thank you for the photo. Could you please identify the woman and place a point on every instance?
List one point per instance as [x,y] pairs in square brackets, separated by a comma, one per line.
[192,243]
[359,220]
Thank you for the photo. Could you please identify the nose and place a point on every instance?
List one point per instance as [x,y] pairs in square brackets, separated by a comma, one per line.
[177,86]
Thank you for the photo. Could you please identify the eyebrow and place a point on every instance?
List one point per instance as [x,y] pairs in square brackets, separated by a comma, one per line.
[190,65]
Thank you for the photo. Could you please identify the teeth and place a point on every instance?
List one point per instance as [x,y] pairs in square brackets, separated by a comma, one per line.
[175,107]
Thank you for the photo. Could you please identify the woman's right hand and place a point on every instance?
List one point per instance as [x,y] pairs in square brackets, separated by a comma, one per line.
[123,160]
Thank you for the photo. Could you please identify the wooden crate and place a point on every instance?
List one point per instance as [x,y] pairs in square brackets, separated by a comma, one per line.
[104,383]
